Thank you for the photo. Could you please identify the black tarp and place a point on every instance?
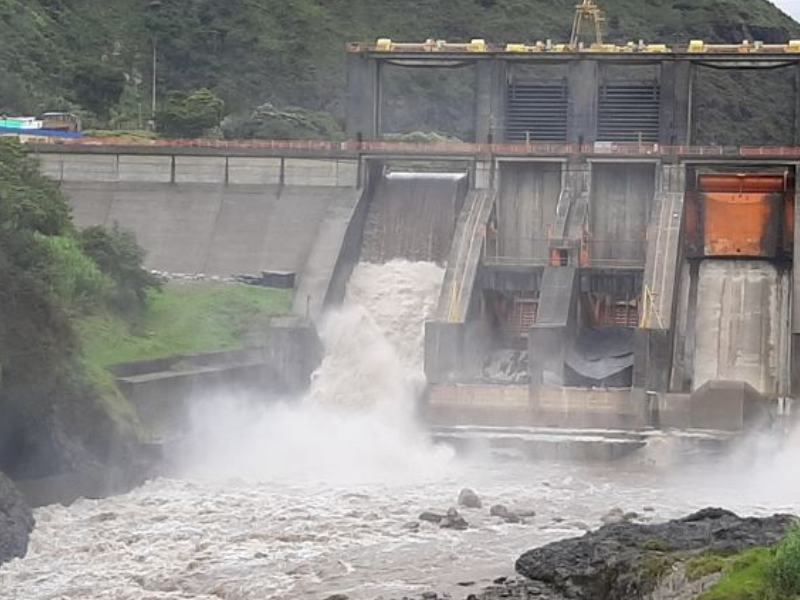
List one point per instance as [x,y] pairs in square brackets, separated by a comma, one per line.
[599,354]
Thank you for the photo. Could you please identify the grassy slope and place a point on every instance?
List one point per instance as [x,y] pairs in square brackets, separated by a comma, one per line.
[291,51]
[186,318]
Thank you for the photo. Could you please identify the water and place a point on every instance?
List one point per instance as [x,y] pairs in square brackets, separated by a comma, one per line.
[308,499]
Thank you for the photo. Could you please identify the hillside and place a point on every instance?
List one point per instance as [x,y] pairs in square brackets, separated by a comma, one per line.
[55,53]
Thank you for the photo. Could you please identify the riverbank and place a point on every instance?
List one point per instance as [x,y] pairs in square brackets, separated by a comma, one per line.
[185,318]
[712,554]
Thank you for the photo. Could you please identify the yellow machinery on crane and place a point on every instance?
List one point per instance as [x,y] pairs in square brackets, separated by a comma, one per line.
[587,12]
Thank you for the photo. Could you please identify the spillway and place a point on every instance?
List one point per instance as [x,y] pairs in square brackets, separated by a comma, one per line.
[742,309]
[413,216]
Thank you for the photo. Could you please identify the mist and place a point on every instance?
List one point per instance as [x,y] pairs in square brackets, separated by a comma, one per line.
[358,422]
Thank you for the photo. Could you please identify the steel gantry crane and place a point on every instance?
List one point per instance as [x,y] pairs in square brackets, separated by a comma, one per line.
[587,12]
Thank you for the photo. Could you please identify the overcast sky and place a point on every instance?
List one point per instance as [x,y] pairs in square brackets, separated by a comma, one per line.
[791,7]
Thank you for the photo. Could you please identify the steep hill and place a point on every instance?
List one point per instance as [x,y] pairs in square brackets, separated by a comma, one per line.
[291,52]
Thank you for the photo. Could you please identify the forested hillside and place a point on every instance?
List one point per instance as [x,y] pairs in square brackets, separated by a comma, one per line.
[95,55]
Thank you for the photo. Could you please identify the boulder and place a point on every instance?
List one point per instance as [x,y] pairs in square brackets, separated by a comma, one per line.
[499,510]
[469,499]
[16,522]
[626,561]
[432,516]
[453,520]
[612,517]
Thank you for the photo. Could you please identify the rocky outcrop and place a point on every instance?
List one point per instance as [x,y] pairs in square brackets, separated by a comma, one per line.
[16,522]
[627,561]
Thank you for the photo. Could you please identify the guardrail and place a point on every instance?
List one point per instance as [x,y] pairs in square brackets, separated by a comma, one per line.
[440,148]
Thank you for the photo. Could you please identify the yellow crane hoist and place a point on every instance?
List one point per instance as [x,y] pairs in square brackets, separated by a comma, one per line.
[587,12]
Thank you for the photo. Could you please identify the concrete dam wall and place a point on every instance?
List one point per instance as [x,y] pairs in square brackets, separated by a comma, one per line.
[211,215]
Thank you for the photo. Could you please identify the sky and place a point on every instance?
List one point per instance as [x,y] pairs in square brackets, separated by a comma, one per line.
[791,7]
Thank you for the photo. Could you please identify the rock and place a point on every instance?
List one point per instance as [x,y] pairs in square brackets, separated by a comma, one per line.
[648,509]
[628,561]
[612,517]
[525,513]
[429,596]
[499,510]
[338,597]
[453,520]
[469,499]
[412,525]
[432,516]
[16,522]
[630,516]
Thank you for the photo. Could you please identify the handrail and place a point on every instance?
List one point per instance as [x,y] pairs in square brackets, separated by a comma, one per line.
[440,148]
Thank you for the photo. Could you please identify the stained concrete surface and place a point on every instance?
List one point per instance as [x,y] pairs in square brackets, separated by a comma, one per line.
[619,211]
[526,208]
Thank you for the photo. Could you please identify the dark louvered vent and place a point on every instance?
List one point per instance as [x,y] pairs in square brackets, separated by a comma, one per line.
[537,113]
[629,113]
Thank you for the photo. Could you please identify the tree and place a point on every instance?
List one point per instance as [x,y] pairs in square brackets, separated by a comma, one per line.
[117,254]
[97,86]
[190,115]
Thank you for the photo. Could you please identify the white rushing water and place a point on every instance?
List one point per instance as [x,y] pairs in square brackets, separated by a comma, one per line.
[311,498]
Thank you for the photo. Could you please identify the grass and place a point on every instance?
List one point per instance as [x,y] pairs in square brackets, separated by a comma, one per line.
[184,319]
[744,577]
[758,574]
[701,566]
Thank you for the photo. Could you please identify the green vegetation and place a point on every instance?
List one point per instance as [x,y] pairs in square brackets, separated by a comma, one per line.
[291,53]
[185,319]
[190,115]
[267,122]
[758,574]
[701,566]
[49,274]
[744,577]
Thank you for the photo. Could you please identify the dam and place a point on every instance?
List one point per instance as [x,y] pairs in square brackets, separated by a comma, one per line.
[601,272]
[586,288]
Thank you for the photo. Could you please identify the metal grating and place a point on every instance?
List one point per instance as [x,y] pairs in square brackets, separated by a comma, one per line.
[629,113]
[537,113]
[620,314]
[523,314]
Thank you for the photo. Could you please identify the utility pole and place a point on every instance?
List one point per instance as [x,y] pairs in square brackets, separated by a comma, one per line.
[151,11]
[155,75]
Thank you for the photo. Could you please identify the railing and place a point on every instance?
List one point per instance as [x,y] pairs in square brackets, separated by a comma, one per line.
[617,253]
[440,148]
[527,252]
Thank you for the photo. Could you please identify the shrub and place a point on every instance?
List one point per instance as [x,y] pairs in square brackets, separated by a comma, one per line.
[76,281]
[119,257]
[189,115]
[783,575]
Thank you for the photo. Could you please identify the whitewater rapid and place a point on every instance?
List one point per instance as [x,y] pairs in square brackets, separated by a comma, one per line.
[321,495]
